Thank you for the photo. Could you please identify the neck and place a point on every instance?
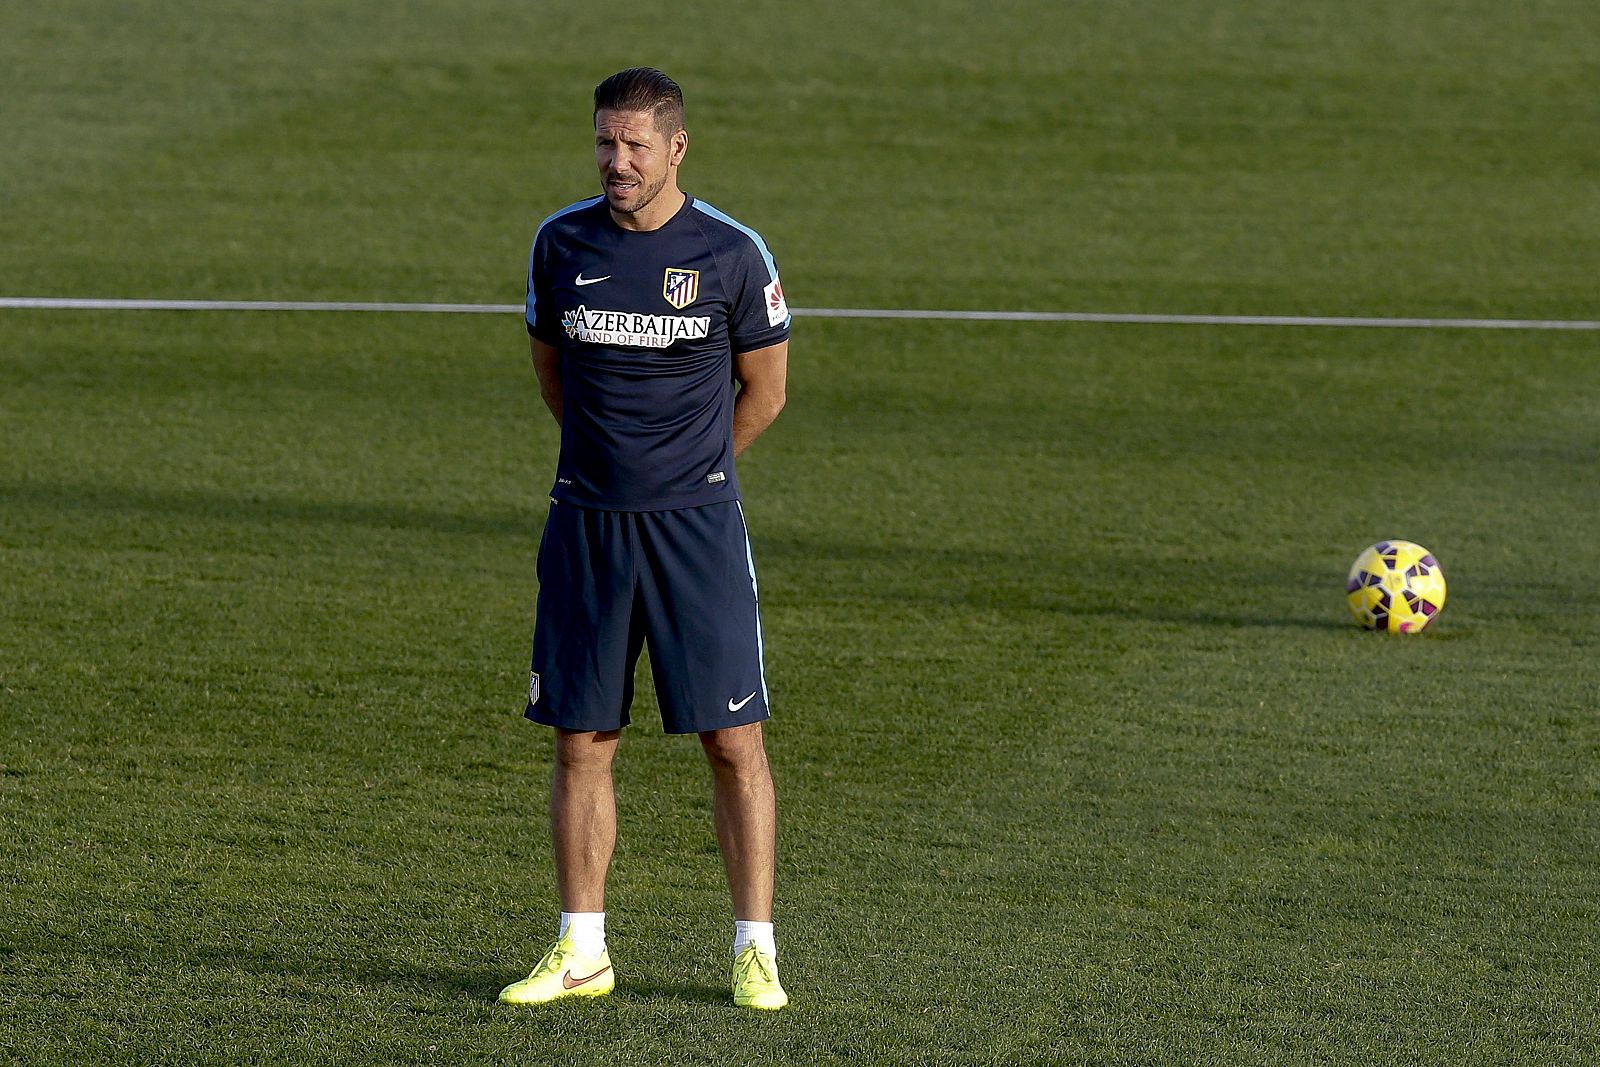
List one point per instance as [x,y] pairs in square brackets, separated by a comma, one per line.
[657,214]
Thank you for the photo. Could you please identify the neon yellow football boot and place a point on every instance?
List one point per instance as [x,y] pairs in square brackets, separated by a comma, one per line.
[755,981]
[564,972]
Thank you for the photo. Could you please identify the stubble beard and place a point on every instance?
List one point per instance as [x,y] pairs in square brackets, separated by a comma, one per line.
[644,194]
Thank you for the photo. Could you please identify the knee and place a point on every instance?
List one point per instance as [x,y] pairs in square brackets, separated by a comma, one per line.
[737,750]
[584,752]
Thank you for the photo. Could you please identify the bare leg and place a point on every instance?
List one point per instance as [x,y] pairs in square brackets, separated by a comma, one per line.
[746,811]
[583,816]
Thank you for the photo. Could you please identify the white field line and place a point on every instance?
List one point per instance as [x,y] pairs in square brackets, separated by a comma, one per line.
[92,304]
[95,304]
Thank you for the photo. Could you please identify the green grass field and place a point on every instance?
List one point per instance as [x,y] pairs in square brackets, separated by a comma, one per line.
[1080,758]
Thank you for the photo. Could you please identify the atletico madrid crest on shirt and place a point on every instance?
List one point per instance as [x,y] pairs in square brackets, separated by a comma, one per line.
[680,286]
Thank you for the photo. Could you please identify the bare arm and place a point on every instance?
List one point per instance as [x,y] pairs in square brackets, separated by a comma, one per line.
[763,377]
[547,365]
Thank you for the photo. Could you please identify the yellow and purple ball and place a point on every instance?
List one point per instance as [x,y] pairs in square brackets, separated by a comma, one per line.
[1396,587]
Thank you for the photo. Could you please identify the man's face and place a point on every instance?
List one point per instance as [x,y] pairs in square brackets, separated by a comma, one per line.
[636,159]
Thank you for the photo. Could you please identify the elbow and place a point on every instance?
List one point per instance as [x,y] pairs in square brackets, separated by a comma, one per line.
[770,407]
[766,399]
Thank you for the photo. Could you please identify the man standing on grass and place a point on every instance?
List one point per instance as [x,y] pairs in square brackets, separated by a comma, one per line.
[660,339]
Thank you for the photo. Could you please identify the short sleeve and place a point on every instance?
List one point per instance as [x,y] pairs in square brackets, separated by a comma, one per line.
[760,316]
[540,307]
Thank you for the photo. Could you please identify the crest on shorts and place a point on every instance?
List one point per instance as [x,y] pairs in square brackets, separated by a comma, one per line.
[533,689]
[680,286]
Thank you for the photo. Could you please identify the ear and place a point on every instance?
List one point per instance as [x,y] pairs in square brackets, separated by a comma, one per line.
[678,147]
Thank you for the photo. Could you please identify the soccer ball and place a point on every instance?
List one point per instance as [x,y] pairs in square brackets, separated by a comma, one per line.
[1395,586]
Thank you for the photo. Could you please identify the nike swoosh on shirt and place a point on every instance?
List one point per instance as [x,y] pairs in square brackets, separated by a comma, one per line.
[735,707]
[581,280]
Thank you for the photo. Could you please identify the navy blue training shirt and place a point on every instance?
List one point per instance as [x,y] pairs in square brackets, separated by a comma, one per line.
[647,324]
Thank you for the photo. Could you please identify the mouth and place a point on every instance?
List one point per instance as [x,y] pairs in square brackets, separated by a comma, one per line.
[621,186]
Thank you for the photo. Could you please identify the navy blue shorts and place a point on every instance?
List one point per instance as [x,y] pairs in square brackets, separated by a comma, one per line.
[682,582]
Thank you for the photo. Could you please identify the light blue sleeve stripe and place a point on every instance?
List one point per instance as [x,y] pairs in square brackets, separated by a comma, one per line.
[761,246]
[569,209]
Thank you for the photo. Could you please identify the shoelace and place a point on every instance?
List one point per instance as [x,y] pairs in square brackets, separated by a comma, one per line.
[757,960]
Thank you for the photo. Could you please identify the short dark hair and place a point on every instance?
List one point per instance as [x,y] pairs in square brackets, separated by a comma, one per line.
[643,89]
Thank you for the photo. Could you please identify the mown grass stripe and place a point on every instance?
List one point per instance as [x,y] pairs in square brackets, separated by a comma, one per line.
[97,304]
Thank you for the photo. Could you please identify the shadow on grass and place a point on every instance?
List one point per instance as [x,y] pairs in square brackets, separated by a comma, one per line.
[1076,582]
[1057,580]
[1209,618]
[268,509]
[470,983]
[484,984]
[685,992]
[473,983]
[480,984]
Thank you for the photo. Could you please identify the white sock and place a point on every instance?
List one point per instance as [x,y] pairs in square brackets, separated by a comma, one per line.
[588,929]
[758,934]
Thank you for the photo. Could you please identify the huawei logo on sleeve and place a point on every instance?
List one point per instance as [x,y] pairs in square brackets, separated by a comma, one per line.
[777,307]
